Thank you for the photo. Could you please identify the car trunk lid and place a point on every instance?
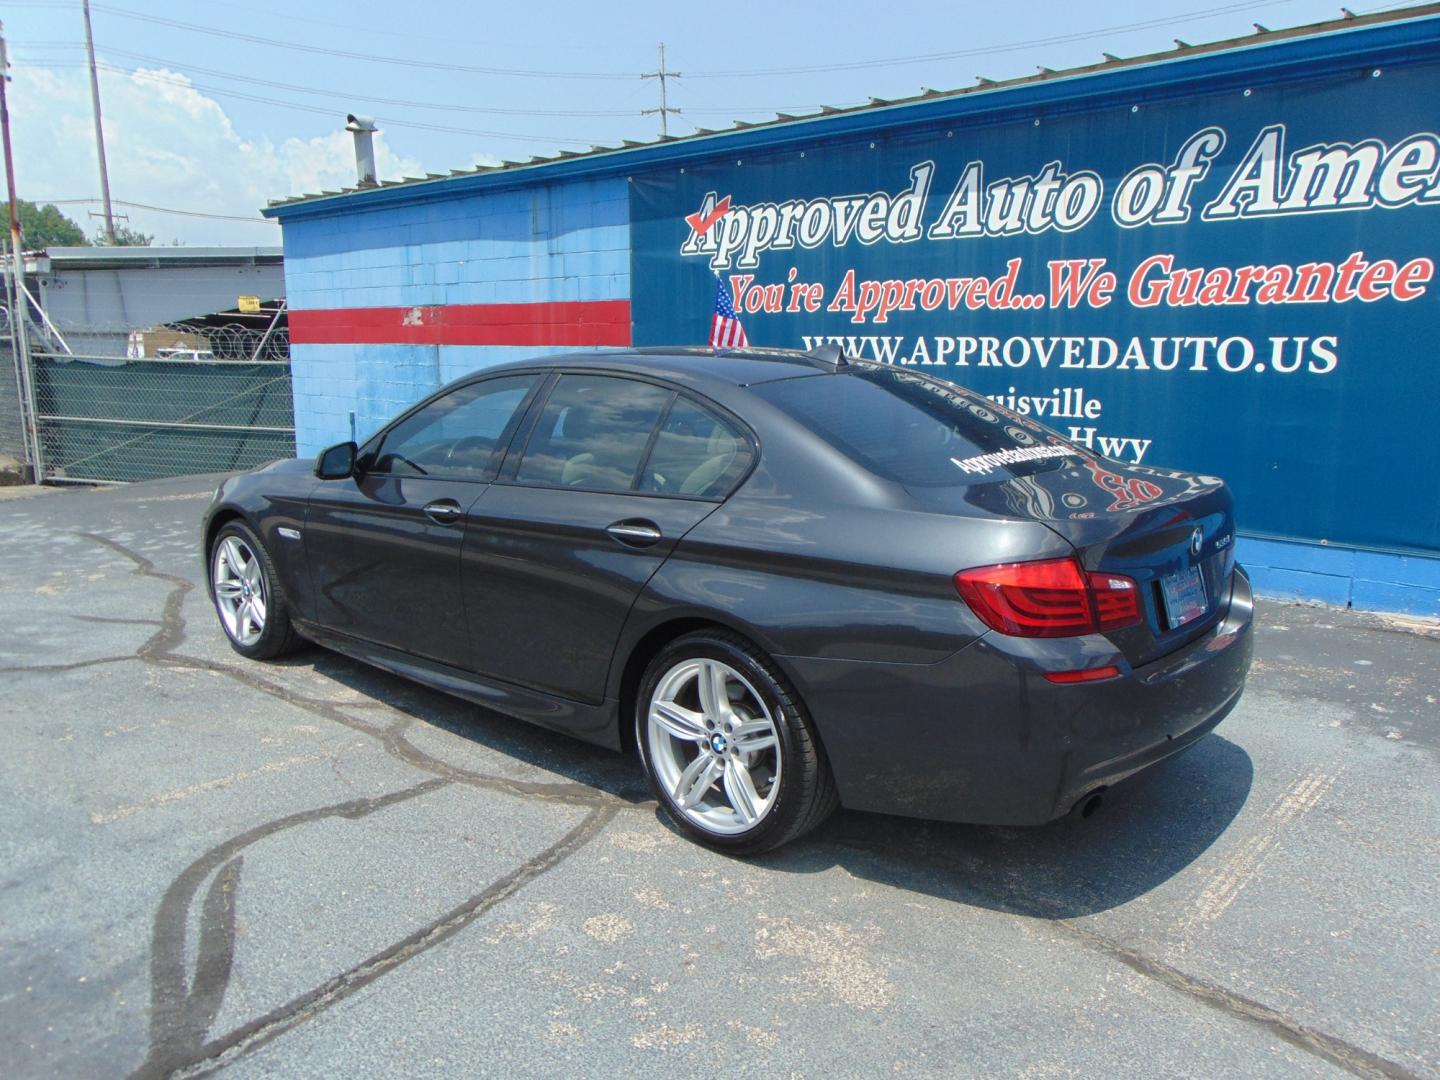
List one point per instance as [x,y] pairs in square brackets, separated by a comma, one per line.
[1172,532]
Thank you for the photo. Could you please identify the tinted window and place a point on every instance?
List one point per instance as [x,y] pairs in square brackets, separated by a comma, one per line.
[593,433]
[696,453]
[459,436]
[917,430]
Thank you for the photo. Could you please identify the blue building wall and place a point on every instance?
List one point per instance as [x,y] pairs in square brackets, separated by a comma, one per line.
[534,245]
[1343,577]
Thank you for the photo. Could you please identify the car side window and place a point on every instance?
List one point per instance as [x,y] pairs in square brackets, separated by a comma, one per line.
[593,433]
[456,437]
[696,453]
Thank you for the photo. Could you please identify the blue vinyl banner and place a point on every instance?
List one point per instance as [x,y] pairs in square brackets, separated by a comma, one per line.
[1234,282]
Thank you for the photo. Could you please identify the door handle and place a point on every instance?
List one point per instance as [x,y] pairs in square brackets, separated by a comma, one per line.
[635,532]
[443,511]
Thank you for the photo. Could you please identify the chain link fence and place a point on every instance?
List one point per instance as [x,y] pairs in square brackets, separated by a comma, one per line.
[168,401]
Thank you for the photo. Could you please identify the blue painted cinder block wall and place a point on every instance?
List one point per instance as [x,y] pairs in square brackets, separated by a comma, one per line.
[1343,577]
[541,244]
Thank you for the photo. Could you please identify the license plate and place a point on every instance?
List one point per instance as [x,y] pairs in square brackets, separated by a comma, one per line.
[1184,593]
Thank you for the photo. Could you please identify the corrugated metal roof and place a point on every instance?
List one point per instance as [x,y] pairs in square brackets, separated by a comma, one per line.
[1182,51]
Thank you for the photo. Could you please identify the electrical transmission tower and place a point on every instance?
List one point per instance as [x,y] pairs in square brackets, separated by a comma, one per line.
[664,110]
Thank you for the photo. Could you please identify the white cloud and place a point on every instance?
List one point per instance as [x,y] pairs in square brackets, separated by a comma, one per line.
[167,144]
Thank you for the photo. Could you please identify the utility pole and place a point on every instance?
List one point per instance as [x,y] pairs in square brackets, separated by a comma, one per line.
[99,131]
[20,306]
[664,110]
[15,248]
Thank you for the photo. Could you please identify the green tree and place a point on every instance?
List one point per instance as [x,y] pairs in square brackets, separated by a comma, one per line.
[126,237]
[42,227]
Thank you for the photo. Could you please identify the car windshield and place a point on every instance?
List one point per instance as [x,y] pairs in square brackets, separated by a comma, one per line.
[917,430]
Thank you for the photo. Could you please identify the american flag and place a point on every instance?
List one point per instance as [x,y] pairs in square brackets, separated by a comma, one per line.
[725,329]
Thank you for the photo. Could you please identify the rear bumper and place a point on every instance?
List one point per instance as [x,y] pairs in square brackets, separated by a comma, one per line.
[983,737]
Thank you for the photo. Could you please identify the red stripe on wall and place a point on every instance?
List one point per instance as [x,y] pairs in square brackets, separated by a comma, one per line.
[581,322]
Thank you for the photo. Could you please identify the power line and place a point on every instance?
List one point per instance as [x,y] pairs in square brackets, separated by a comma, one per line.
[985,50]
[252,219]
[387,31]
[894,61]
[187,66]
[398,102]
[523,137]
[430,65]
[1392,7]
[217,91]
[746,73]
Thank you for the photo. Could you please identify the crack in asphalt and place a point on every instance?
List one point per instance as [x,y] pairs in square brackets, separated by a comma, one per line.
[55,669]
[393,740]
[182,1013]
[172,623]
[251,1036]
[1353,1059]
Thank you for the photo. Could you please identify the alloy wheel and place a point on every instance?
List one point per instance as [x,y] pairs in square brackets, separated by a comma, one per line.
[714,745]
[238,585]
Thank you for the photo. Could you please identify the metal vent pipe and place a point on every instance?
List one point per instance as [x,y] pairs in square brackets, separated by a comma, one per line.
[363,129]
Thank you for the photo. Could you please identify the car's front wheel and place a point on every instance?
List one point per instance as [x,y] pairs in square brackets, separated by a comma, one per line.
[728,747]
[248,596]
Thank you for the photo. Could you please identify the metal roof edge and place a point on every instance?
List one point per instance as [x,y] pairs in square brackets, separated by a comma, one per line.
[79,258]
[1383,37]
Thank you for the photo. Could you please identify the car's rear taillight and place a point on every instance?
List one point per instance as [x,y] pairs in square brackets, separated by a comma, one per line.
[1117,600]
[1051,598]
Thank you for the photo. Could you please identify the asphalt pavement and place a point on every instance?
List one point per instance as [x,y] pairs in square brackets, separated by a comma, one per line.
[315,869]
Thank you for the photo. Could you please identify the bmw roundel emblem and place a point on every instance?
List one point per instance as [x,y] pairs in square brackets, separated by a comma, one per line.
[1196,538]
[718,743]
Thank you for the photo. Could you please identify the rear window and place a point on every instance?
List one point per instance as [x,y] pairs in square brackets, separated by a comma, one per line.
[917,430]
[696,453]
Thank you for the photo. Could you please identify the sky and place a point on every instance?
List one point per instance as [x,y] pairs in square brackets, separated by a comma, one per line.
[211,110]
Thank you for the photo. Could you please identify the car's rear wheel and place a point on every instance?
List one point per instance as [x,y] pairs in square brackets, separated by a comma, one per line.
[728,747]
[248,596]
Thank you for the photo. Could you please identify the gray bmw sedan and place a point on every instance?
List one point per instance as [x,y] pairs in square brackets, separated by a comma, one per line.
[786,581]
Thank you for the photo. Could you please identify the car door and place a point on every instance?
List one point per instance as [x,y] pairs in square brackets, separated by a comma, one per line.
[384,544]
[614,472]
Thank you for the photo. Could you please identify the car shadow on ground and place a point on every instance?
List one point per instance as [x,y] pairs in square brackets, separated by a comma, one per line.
[1150,828]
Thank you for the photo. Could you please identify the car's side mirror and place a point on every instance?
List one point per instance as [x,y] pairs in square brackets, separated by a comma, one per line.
[336,463]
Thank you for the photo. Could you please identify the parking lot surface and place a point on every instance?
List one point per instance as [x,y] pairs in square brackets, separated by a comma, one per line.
[315,869]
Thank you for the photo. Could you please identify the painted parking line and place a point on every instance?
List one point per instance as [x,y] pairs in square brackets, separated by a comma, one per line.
[189,791]
[1236,872]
